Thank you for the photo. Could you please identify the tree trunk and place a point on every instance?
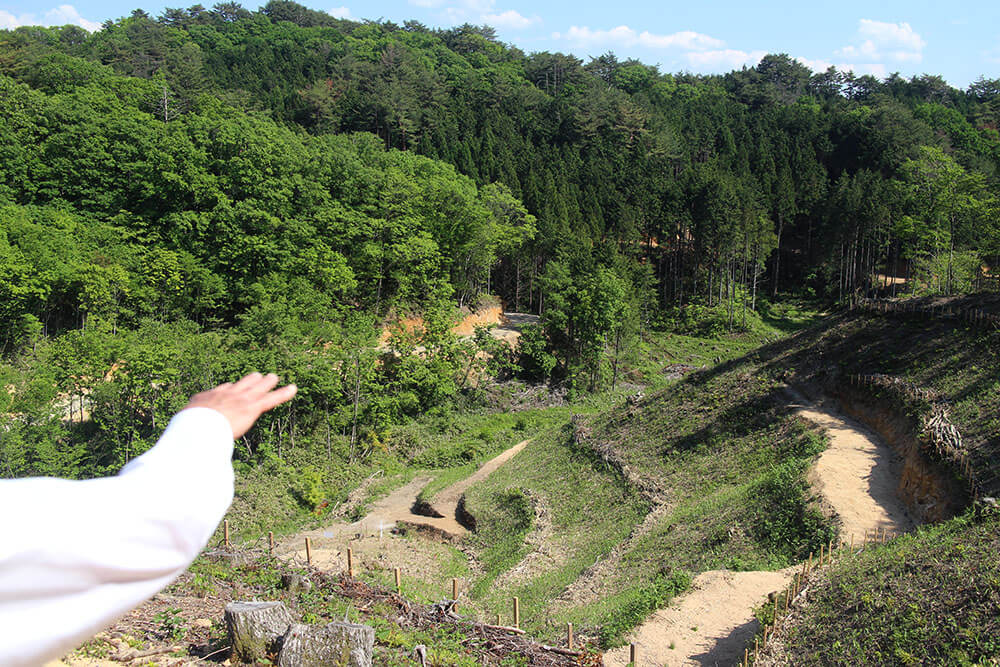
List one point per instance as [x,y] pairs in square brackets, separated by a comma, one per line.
[357,399]
[777,257]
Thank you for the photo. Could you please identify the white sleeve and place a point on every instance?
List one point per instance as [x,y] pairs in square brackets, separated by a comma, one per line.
[76,555]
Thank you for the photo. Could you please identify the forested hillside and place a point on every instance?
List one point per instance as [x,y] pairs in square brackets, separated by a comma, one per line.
[189,196]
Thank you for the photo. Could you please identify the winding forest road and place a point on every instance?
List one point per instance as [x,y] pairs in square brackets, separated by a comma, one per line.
[710,625]
[395,508]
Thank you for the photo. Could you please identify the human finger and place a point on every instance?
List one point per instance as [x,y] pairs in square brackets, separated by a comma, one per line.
[277,397]
[263,385]
[247,381]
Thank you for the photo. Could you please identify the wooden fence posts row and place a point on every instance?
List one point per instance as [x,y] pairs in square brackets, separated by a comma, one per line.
[828,553]
[398,581]
[975,316]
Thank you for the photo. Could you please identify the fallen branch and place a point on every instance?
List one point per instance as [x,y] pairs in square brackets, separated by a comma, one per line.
[505,628]
[562,651]
[135,655]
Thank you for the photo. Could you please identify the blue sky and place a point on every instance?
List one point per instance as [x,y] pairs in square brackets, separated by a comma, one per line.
[959,41]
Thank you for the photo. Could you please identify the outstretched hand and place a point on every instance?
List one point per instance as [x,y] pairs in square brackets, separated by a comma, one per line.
[244,401]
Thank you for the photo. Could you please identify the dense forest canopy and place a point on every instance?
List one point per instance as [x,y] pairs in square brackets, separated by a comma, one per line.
[187,196]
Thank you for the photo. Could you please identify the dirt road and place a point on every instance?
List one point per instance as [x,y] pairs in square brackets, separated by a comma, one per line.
[710,624]
[328,543]
[445,503]
[857,475]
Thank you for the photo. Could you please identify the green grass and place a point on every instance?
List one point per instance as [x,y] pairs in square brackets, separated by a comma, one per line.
[586,507]
[708,445]
[719,448]
[930,598]
[453,443]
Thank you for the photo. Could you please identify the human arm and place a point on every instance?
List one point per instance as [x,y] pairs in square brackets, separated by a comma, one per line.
[76,555]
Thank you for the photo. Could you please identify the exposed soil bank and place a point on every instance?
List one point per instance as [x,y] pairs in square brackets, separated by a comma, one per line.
[930,491]
[448,500]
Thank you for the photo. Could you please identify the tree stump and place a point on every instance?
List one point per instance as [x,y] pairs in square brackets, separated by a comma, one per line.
[295,583]
[256,628]
[340,644]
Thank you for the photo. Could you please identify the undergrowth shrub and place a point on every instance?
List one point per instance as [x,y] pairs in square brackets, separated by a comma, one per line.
[503,539]
[647,599]
[785,520]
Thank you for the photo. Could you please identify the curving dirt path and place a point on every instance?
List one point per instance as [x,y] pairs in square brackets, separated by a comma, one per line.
[328,543]
[857,475]
[709,625]
[445,503]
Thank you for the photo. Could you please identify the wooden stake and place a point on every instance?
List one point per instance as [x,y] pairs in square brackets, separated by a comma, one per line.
[775,608]
[829,551]
[270,543]
[631,654]
[819,563]
[498,619]
[350,563]
[225,529]
[517,612]
[454,589]
[788,595]
[399,587]
[569,636]
[309,553]
[809,567]
[756,649]
[746,657]
[852,542]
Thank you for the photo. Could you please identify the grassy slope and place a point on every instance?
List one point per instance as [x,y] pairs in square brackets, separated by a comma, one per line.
[932,597]
[718,449]
[586,511]
[955,359]
[451,445]
[589,506]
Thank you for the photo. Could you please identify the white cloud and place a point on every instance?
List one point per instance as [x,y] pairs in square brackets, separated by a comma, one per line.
[875,69]
[879,40]
[58,16]
[340,13]
[626,36]
[724,59]
[478,11]
[820,65]
[816,65]
[900,35]
[510,19]
[8,21]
